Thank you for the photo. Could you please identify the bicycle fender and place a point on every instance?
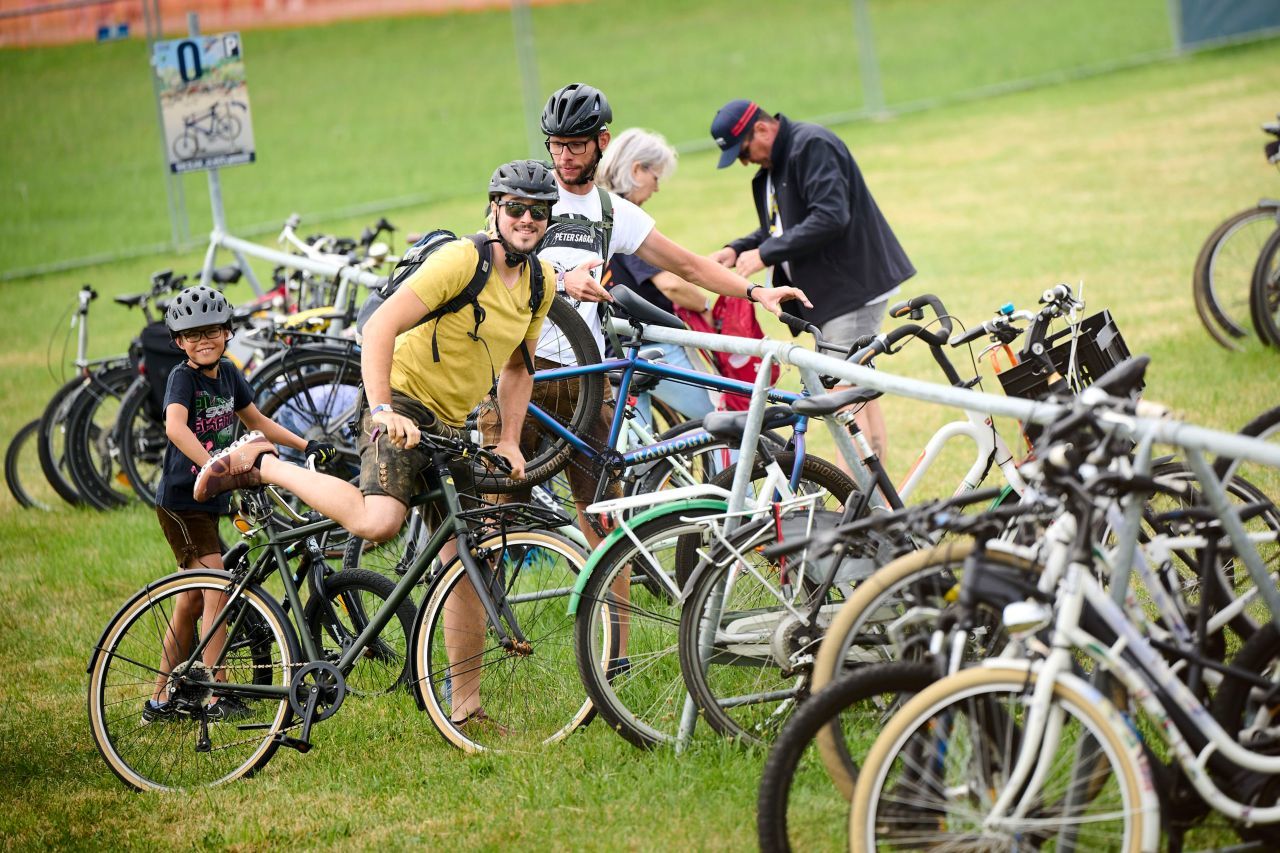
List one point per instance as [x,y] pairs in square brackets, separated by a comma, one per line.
[620,531]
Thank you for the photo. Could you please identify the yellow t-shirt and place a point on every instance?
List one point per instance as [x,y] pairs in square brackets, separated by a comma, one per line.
[460,380]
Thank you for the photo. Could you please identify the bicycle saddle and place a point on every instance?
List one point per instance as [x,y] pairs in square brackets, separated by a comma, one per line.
[643,311]
[826,404]
[729,425]
[229,274]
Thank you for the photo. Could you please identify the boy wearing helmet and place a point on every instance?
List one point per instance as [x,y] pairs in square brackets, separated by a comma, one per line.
[204,397]
[408,392]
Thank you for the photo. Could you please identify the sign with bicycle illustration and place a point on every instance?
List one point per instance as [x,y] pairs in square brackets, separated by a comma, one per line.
[204,102]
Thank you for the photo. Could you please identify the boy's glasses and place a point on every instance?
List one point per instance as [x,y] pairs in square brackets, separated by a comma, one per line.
[194,336]
[517,209]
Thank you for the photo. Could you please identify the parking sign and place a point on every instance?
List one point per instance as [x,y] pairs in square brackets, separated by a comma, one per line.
[204,102]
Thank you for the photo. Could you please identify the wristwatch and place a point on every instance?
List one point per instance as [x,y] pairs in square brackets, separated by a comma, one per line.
[751,288]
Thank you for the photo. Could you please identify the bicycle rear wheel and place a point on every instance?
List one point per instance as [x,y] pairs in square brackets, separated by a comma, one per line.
[575,403]
[1223,273]
[938,765]
[51,441]
[529,697]
[170,753]
[91,432]
[22,473]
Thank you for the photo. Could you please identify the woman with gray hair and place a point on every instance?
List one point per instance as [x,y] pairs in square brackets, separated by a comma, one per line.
[633,165]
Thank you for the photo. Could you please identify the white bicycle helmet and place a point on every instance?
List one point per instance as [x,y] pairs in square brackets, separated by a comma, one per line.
[195,308]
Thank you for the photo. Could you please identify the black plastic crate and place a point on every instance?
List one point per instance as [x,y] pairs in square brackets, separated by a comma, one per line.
[1099,347]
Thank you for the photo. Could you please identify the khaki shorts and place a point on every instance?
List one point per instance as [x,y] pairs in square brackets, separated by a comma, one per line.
[559,399]
[398,473]
[191,533]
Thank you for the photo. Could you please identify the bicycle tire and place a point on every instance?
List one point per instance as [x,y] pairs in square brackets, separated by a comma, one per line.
[876,603]
[1264,292]
[584,393]
[916,732]
[51,441]
[228,127]
[22,472]
[354,595]
[792,765]
[1223,273]
[755,612]
[141,441]
[164,755]
[186,146]
[644,703]
[537,698]
[91,431]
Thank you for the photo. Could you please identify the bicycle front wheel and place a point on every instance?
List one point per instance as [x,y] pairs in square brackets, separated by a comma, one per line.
[141,441]
[575,403]
[354,596]
[91,431]
[128,668]
[1265,291]
[522,697]
[1224,273]
[939,766]
[51,441]
[633,594]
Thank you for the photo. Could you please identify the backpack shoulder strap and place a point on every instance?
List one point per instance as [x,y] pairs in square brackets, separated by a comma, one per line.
[470,295]
[606,218]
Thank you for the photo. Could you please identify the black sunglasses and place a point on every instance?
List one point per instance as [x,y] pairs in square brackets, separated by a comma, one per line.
[516,209]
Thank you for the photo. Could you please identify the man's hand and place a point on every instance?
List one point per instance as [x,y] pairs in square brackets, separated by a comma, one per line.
[725,257]
[510,451]
[582,286]
[749,263]
[773,297]
[402,431]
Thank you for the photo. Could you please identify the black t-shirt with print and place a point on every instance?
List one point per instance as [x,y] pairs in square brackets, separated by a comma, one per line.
[211,414]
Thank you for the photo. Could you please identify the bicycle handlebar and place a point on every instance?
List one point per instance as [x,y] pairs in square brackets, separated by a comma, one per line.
[915,308]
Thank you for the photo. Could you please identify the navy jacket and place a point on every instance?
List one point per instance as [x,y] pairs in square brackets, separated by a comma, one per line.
[841,251]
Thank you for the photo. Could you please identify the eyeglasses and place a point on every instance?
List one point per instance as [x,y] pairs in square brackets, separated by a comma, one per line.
[193,336]
[576,147]
[517,209]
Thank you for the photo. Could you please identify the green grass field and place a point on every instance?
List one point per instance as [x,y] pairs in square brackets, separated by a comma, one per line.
[1112,181]
[424,107]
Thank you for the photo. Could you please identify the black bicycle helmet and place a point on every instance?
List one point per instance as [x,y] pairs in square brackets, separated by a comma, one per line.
[576,110]
[195,308]
[525,178]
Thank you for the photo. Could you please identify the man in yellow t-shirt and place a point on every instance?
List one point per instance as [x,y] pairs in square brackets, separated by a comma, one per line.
[408,390]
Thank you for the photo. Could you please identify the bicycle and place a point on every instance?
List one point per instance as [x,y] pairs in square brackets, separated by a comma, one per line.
[214,124]
[1225,269]
[1095,768]
[289,683]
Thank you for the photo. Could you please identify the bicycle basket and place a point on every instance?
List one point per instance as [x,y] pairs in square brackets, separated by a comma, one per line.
[1098,348]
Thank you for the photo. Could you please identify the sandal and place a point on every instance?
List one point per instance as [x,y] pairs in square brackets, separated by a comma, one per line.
[478,719]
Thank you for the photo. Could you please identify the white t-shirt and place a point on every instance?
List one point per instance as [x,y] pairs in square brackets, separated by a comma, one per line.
[570,244]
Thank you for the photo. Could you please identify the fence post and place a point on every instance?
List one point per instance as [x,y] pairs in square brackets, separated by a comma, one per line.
[868,64]
[1175,26]
[530,88]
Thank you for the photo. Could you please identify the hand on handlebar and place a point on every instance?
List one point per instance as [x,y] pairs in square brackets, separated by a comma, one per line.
[401,431]
[773,297]
[510,451]
[322,451]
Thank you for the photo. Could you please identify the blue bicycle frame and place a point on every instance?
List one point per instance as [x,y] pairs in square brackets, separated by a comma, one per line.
[629,367]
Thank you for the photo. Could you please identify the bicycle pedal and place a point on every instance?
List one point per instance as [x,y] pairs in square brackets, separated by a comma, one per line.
[303,746]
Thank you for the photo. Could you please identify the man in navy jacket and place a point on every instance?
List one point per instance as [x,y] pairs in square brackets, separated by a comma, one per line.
[820,229]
